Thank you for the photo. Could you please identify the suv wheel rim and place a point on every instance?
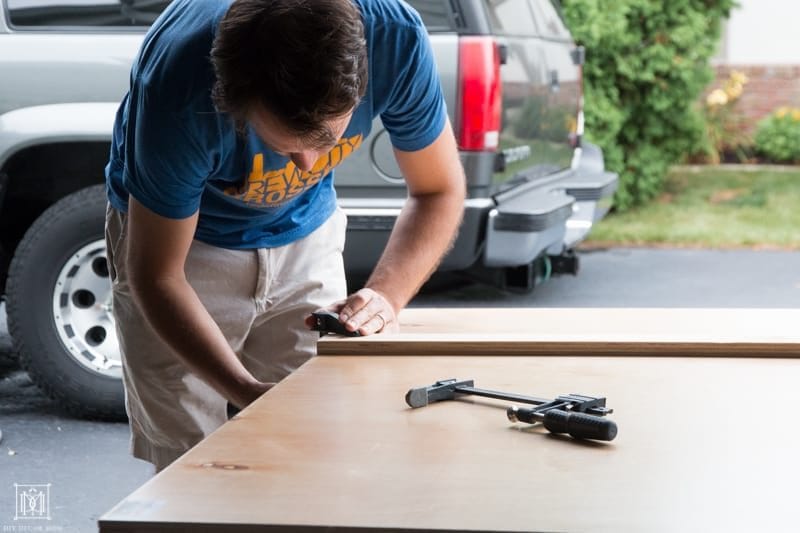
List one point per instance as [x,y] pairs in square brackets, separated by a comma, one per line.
[82,311]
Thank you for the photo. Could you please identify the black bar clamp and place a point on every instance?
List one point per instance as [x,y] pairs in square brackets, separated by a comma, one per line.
[580,416]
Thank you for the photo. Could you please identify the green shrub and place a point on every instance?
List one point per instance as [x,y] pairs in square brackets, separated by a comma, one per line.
[778,136]
[647,62]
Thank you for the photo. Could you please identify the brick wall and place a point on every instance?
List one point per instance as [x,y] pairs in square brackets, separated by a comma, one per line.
[768,88]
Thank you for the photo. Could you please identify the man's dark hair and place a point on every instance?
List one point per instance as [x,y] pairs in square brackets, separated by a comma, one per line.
[304,61]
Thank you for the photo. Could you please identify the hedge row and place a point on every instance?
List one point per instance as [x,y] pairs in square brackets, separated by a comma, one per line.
[647,61]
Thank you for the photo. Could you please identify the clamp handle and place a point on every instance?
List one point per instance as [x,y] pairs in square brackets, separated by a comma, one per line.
[578,425]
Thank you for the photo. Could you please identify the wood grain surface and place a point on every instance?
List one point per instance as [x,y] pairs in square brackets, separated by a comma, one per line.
[704,444]
[584,331]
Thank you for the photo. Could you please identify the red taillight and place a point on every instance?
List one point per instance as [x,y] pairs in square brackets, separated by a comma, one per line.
[481,96]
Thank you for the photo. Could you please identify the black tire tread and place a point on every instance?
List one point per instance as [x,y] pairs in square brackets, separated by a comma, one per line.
[54,215]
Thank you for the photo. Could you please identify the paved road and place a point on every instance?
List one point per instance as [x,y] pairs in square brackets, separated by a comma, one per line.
[85,462]
[87,465]
[653,278]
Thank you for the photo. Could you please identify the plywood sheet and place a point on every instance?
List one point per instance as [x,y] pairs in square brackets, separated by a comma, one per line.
[704,444]
[593,331]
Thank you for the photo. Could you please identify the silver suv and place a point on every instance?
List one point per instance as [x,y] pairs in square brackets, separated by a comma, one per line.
[512,79]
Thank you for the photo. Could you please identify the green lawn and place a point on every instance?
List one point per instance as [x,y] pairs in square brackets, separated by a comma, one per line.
[714,207]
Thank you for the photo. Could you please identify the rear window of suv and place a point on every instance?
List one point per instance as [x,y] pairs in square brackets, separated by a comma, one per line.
[526,18]
[43,14]
[549,20]
[435,14]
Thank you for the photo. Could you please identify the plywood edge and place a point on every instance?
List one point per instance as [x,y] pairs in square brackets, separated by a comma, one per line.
[117,526]
[456,346]
[579,331]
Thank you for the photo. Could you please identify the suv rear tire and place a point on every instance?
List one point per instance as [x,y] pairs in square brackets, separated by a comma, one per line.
[59,307]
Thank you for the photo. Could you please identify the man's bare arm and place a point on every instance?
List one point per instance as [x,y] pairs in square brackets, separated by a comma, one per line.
[423,233]
[157,251]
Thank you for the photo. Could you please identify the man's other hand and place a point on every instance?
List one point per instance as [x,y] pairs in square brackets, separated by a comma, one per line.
[250,393]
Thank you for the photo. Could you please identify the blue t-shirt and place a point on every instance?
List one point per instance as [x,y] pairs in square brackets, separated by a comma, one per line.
[176,154]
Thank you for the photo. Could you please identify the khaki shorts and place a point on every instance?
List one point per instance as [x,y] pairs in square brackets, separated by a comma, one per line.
[258,298]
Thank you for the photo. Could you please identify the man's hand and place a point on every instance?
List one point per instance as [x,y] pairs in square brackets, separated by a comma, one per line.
[250,393]
[366,311]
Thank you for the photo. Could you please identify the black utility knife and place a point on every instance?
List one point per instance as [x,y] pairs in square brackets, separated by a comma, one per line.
[327,322]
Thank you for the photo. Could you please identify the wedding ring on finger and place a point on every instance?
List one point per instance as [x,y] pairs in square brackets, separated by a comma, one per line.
[383,321]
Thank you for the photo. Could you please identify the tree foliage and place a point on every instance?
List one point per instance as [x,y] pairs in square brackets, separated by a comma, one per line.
[647,61]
